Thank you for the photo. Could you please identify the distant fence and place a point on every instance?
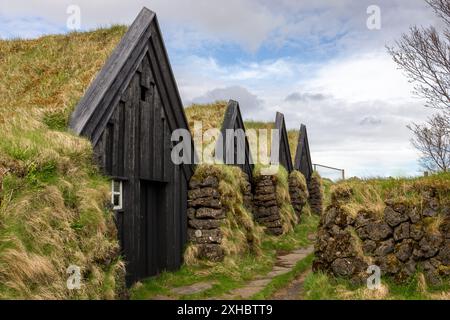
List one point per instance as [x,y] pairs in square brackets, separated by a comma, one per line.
[327,171]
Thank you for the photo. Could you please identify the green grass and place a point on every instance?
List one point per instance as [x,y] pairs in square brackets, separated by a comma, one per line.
[293,240]
[327,184]
[284,279]
[374,189]
[56,120]
[320,286]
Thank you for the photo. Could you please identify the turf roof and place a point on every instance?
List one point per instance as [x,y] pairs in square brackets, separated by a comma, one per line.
[53,72]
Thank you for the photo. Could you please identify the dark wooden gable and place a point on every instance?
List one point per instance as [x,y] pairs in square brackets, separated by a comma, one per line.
[142,40]
[284,150]
[129,113]
[302,161]
[233,120]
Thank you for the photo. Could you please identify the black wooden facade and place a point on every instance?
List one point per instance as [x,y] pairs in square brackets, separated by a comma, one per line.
[129,112]
[284,151]
[302,161]
[233,120]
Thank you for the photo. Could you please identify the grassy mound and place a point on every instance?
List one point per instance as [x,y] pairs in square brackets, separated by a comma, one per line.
[299,180]
[371,194]
[240,234]
[210,115]
[52,197]
[293,136]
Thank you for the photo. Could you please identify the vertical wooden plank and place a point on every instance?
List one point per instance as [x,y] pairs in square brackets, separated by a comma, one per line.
[169,223]
[183,214]
[144,138]
[121,140]
[158,136]
[108,141]
[173,176]
[176,212]
[115,145]
[128,189]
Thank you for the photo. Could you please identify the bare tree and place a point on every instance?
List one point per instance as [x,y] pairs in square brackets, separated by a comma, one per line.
[433,142]
[424,55]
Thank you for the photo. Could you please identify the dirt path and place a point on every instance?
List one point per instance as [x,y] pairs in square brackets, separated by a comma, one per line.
[284,264]
[294,291]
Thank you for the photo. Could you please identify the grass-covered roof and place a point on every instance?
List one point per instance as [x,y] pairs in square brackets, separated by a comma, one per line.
[52,197]
[209,115]
[53,72]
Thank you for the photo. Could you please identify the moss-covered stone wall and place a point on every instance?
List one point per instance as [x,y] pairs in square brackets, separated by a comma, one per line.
[409,233]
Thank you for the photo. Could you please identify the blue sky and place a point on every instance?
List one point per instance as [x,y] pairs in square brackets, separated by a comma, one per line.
[315,61]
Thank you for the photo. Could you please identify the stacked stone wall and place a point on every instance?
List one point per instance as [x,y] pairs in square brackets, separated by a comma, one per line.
[205,216]
[267,211]
[298,192]
[315,194]
[407,238]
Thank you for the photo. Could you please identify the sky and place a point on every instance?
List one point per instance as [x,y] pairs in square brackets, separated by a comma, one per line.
[317,62]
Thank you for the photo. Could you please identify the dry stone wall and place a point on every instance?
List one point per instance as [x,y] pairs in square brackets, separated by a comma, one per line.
[407,238]
[267,211]
[220,200]
[298,192]
[247,194]
[205,216]
[315,194]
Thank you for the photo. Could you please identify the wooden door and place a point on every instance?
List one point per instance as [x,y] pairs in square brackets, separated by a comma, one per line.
[153,221]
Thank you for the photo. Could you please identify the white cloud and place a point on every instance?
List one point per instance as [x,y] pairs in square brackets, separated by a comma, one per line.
[26,28]
[361,77]
[249,102]
[247,23]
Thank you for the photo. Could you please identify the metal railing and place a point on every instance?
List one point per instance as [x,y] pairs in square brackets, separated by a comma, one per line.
[315,165]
